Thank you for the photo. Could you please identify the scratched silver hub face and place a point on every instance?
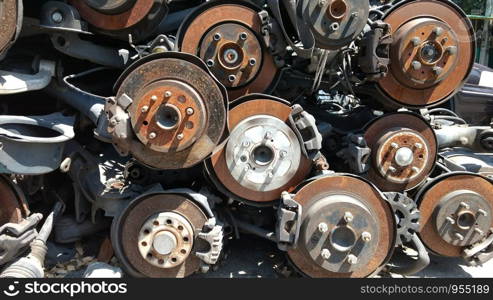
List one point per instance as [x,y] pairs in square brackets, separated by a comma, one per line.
[263,153]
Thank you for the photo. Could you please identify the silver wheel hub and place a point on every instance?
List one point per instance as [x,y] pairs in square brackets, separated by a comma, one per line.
[263,153]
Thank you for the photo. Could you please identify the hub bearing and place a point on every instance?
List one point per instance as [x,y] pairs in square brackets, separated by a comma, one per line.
[456,212]
[263,156]
[403,151]
[226,37]
[431,55]
[347,229]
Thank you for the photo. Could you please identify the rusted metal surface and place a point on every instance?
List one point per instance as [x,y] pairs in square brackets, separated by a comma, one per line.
[432,52]
[13,208]
[338,202]
[220,165]
[8,24]
[130,227]
[106,252]
[455,212]
[396,135]
[226,37]
[123,20]
[170,116]
[187,123]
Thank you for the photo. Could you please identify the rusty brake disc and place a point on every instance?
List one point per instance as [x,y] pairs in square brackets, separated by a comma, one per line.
[262,157]
[432,52]
[156,236]
[11,16]
[227,36]
[456,212]
[122,15]
[404,151]
[347,230]
[178,111]
[13,206]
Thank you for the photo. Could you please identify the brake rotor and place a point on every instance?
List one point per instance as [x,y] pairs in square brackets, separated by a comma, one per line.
[263,156]
[228,38]
[404,151]
[456,212]
[335,23]
[11,16]
[178,112]
[347,230]
[121,15]
[13,207]
[156,236]
[432,52]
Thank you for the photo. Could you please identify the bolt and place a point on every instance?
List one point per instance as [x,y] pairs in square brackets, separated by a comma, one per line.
[478,231]
[180,136]
[452,50]
[268,135]
[416,41]
[438,31]
[217,36]
[450,220]
[246,144]
[153,98]
[464,205]
[437,70]
[459,236]
[168,94]
[325,253]
[352,259]
[246,168]
[243,36]
[210,63]
[283,154]
[394,145]
[270,174]
[189,111]
[355,14]
[392,169]
[253,62]
[348,217]
[322,227]
[152,135]
[144,109]
[231,78]
[322,3]
[482,212]
[334,26]
[418,145]
[416,65]
[57,17]
[415,169]
[366,236]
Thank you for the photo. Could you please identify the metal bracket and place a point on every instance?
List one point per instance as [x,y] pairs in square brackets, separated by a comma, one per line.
[356,154]
[288,222]
[13,83]
[212,234]
[479,253]
[305,127]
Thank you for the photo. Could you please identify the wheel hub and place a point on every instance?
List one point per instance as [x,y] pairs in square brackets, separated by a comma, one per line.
[233,53]
[263,153]
[165,240]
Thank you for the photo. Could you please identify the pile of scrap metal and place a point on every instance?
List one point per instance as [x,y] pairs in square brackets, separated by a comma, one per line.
[173,127]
